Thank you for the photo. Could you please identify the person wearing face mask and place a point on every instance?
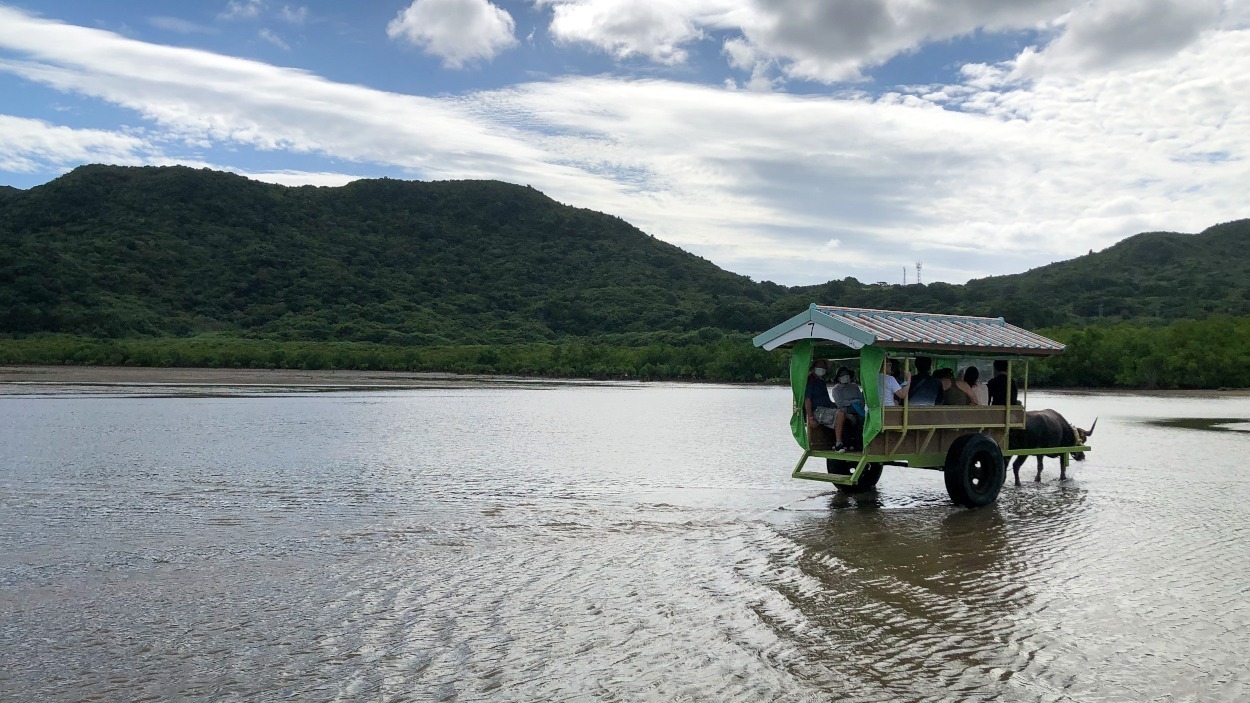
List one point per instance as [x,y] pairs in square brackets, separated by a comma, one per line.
[818,408]
[849,399]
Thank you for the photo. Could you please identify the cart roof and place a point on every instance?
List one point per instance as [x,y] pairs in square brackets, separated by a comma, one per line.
[921,331]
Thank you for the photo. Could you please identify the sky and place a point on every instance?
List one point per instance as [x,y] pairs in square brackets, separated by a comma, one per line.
[796,141]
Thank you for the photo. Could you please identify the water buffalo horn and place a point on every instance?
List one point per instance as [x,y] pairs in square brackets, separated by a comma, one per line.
[1090,431]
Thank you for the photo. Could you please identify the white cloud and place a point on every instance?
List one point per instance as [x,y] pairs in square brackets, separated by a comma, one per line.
[765,177]
[1236,15]
[830,40]
[741,54]
[271,37]
[1000,176]
[255,9]
[181,26]
[297,178]
[457,31]
[242,10]
[294,15]
[835,40]
[29,146]
[1120,33]
[655,29]
[197,96]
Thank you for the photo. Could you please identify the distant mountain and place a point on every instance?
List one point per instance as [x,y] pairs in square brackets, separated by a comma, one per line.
[172,251]
[8,190]
[115,251]
[1155,275]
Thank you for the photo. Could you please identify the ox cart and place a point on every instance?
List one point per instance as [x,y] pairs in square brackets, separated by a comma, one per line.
[967,443]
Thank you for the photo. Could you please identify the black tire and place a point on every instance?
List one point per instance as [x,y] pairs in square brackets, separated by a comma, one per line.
[953,487]
[840,467]
[867,480]
[974,471]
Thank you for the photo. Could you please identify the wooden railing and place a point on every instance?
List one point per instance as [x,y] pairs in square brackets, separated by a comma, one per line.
[932,429]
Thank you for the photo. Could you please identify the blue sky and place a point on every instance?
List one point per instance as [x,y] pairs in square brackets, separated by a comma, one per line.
[790,140]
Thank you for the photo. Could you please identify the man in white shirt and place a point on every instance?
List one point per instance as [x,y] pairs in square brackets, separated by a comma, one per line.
[888,387]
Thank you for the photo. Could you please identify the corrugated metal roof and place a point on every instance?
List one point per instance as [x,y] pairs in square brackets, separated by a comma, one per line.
[890,328]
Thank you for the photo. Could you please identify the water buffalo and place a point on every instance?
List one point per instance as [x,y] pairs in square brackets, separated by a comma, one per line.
[1047,428]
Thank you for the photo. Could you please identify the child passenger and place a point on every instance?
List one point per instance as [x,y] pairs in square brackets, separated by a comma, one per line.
[849,398]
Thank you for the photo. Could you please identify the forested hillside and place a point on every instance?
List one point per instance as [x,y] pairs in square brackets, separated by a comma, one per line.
[125,253]
[116,252]
[1150,277]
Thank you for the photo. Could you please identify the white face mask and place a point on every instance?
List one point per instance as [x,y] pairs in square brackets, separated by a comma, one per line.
[820,373]
[844,379]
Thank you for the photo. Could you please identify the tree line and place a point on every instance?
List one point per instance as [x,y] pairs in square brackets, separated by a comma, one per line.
[1211,354]
[728,360]
[1187,354]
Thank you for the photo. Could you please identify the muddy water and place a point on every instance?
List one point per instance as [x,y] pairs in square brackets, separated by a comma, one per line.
[600,543]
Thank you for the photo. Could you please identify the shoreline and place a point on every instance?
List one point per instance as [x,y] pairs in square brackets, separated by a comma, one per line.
[28,380]
[36,379]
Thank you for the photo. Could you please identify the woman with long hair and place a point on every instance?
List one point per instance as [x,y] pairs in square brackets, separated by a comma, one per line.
[972,378]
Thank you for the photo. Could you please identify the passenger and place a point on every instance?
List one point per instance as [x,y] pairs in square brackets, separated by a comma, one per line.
[849,399]
[925,389]
[954,392]
[972,377]
[888,388]
[997,387]
[817,406]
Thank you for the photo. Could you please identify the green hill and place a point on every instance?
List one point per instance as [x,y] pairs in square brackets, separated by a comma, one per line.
[1156,275]
[114,252]
[1151,277]
[123,252]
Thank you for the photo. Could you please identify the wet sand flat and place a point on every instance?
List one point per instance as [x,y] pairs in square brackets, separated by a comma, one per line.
[18,379]
[25,380]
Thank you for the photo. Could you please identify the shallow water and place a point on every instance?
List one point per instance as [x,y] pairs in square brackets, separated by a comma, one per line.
[627,542]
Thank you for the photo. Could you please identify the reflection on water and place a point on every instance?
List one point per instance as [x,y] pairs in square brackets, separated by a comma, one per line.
[1214,424]
[618,543]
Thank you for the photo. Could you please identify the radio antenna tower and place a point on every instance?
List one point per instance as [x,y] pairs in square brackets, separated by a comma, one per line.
[904,275]
[918,265]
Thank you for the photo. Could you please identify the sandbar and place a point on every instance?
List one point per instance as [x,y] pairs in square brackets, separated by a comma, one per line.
[40,380]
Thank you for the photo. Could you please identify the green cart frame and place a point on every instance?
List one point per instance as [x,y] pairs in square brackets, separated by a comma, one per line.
[968,443]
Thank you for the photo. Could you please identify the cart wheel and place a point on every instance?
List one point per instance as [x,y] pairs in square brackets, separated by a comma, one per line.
[867,480]
[952,457]
[974,471]
[840,467]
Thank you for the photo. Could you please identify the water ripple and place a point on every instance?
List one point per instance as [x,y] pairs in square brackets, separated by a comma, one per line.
[384,547]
